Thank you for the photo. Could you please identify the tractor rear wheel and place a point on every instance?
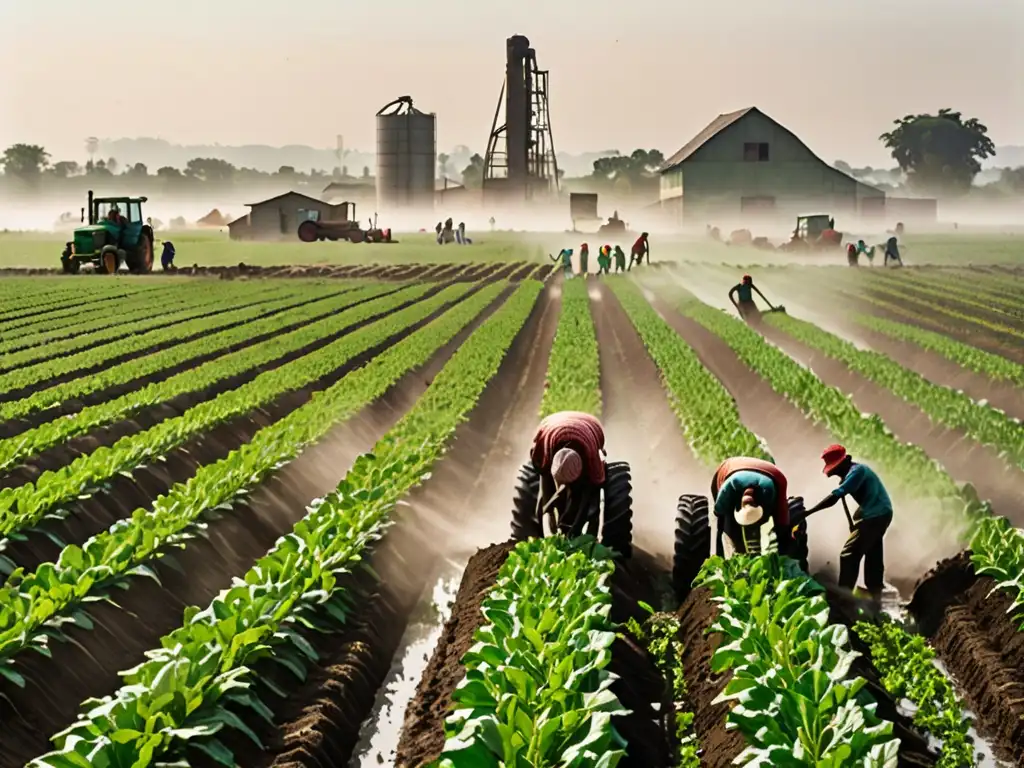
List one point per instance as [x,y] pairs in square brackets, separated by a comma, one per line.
[69,265]
[693,542]
[525,523]
[108,260]
[356,236]
[800,549]
[617,527]
[141,261]
[309,232]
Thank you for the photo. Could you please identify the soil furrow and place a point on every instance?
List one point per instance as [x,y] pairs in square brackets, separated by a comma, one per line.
[971,629]
[640,426]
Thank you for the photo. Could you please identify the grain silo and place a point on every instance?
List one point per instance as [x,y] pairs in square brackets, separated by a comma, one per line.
[406,156]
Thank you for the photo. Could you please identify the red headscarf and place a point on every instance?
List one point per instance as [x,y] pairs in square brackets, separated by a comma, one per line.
[570,429]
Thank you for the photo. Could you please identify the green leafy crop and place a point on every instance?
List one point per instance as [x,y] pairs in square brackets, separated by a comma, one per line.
[573,380]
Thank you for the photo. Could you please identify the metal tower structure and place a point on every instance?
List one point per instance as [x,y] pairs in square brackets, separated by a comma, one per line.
[520,161]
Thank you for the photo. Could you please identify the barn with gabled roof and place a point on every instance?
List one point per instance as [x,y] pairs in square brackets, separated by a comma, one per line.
[745,164]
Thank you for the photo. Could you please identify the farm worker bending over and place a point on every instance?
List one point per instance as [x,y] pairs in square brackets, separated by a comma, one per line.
[641,248]
[742,297]
[851,255]
[566,257]
[869,252]
[568,451]
[584,259]
[167,257]
[620,259]
[870,521]
[749,491]
[604,260]
[892,251]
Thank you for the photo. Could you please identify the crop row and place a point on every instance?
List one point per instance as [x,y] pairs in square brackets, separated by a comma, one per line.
[997,551]
[943,291]
[317,320]
[204,344]
[237,311]
[537,690]
[57,592]
[959,284]
[53,305]
[136,315]
[27,505]
[573,376]
[195,685]
[943,405]
[795,699]
[995,367]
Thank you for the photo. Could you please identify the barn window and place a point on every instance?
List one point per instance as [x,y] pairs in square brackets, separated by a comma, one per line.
[755,152]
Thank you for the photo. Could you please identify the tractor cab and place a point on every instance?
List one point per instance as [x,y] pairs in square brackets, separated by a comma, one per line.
[115,233]
[811,227]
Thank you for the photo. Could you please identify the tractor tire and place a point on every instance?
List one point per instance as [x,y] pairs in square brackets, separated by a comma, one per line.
[309,232]
[356,236]
[69,266]
[693,542]
[800,550]
[141,261]
[108,260]
[525,524]
[617,526]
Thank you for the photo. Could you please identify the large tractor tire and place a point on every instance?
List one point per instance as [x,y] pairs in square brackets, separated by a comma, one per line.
[617,528]
[800,550]
[108,260]
[141,259]
[69,265]
[525,524]
[309,232]
[356,236]
[693,542]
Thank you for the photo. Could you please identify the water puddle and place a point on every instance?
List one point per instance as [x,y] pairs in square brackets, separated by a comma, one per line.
[379,735]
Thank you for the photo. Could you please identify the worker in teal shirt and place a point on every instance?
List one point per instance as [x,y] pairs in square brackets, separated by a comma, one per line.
[870,521]
[565,255]
[742,297]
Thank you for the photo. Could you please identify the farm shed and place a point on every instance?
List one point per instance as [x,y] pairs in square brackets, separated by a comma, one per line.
[744,164]
[279,217]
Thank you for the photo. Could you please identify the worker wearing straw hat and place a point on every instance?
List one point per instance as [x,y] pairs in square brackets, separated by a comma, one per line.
[868,524]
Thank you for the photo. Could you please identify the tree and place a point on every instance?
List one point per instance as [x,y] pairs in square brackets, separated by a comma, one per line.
[1013,180]
[641,164]
[473,174]
[442,165]
[843,167]
[366,171]
[92,145]
[286,170]
[138,171]
[112,165]
[66,168]
[168,173]
[939,153]
[26,161]
[212,170]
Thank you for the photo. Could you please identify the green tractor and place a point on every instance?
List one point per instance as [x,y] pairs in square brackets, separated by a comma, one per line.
[116,237]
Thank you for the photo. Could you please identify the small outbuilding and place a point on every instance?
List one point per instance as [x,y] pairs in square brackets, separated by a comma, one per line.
[745,164]
[278,218]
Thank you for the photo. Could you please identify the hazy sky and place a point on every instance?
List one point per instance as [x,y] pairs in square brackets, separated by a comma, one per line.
[623,74]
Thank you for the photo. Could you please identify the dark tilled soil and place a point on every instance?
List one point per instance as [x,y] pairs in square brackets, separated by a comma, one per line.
[639,686]
[964,458]
[423,732]
[977,640]
[89,666]
[944,372]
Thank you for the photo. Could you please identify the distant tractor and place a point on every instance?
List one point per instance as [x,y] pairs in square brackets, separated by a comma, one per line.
[815,232]
[345,228]
[116,236]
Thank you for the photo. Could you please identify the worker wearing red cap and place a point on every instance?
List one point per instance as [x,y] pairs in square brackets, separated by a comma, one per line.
[742,297]
[870,521]
[568,451]
[748,491]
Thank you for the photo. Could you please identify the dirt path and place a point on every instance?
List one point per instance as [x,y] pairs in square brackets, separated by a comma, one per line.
[641,428]
[964,459]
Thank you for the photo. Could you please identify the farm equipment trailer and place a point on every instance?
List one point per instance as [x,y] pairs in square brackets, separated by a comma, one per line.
[345,228]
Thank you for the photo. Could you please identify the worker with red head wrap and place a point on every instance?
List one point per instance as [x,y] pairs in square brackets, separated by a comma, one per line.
[641,248]
[870,521]
[584,259]
[749,492]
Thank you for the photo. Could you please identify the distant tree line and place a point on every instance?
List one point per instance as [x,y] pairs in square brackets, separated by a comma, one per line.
[936,154]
